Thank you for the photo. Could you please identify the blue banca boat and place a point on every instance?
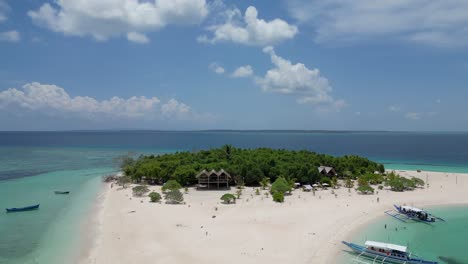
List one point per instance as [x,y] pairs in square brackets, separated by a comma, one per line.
[404,213]
[377,252]
[22,209]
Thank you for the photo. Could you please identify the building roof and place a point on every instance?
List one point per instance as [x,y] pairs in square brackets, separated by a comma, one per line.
[219,173]
[386,246]
[327,169]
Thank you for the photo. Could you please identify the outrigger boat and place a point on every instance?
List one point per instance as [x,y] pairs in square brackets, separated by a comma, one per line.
[62,192]
[412,213]
[22,209]
[378,252]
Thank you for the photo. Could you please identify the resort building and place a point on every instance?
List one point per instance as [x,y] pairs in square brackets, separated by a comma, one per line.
[213,179]
[327,171]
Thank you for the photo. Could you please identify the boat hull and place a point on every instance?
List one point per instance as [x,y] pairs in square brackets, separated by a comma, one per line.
[430,218]
[59,192]
[22,209]
[383,258]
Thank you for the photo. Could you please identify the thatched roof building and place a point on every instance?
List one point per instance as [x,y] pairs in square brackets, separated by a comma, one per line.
[213,179]
[327,171]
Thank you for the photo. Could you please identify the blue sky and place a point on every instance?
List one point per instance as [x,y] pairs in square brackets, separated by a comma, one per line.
[212,64]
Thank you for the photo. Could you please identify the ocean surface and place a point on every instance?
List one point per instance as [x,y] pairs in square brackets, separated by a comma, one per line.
[445,242]
[35,164]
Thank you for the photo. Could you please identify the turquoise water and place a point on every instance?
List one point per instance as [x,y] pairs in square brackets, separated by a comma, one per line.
[438,241]
[34,164]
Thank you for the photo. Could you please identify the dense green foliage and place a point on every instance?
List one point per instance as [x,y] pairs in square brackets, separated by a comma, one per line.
[278,197]
[171,185]
[418,182]
[373,179]
[280,186]
[174,197]
[228,198]
[365,189]
[140,190]
[399,184]
[155,197]
[248,165]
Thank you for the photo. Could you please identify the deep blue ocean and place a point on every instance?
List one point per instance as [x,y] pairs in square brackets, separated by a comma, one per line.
[34,164]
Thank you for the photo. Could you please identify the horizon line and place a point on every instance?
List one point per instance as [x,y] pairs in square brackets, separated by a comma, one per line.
[241,130]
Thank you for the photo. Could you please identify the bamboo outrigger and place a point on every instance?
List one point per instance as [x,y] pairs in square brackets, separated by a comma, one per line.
[377,252]
[404,213]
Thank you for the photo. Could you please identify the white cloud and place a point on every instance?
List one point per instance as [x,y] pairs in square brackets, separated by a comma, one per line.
[10,36]
[394,108]
[175,108]
[249,29]
[105,19]
[216,68]
[432,22]
[243,71]
[137,37]
[414,115]
[4,9]
[296,79]
[54,100]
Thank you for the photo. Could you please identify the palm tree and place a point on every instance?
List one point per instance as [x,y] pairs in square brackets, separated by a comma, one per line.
[265,182]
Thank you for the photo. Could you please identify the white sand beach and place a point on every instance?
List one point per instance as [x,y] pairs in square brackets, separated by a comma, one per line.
[304,229]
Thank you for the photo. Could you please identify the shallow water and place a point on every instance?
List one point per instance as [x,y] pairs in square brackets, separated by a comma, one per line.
[436,241]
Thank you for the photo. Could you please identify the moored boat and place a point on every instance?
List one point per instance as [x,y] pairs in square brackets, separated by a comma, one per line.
[62,192]
[412,213]
[22,209]
[379,252]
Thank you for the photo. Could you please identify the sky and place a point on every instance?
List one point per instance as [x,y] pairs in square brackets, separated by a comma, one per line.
[398,65]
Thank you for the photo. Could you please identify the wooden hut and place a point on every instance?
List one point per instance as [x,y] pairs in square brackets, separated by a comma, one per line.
[327,171]
[213,179]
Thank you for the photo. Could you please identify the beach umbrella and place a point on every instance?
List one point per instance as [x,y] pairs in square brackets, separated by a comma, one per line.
[315,185]
[325,184]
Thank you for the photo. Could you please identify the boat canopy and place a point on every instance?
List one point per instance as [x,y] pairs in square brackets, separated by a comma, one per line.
[413,209]
[386,246]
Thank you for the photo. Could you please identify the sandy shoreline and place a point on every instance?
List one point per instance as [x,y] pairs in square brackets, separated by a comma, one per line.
[304,229]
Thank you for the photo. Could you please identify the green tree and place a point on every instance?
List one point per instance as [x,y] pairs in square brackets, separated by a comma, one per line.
[228,198]
[278,197]
[265,182]
[171,185]
[334,182]
[417,181]
[365,189]
[349,183]
[396,185]
[185,174]
[174,197]
[140,190]
[124,181]
[280,185]
[155,197]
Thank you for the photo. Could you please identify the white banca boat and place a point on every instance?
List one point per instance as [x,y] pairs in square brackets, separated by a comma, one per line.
[404,213]
[378,252]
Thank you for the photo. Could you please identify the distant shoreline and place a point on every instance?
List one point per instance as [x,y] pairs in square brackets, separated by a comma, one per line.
[311,131]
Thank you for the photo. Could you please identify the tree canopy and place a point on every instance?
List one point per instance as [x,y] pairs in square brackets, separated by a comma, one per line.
[171,185]
[249,166]
[228,198]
